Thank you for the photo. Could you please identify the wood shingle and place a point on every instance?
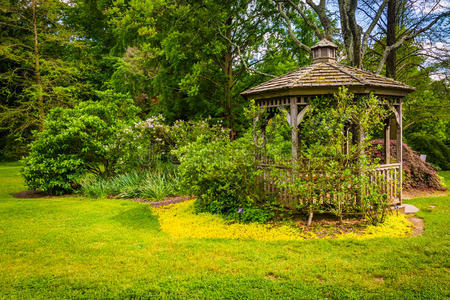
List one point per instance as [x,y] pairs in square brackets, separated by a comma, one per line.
[329,74]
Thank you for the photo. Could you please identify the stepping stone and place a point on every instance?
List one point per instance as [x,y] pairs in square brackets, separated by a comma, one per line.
[410,209]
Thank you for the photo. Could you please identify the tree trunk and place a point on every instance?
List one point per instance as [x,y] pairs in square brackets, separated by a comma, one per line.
[356,33]
[37,70]
[391,59]
[228,87]
[351,31]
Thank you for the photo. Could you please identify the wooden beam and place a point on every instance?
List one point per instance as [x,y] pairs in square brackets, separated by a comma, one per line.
[294,128]
[387,141]
[400,148]
[301,114]
[325,90]
[360,139]
[395,111]
[347,141]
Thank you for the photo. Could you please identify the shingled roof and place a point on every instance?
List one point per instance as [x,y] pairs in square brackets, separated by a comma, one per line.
[326,77]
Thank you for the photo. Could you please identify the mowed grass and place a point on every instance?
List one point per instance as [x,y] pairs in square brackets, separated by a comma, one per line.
[74,247]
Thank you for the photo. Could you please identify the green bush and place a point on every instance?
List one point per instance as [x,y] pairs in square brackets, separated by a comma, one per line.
[78,140]
[221,174]
[437,152]
[155,185]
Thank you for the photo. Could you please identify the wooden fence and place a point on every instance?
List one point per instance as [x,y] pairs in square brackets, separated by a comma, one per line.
[275,180]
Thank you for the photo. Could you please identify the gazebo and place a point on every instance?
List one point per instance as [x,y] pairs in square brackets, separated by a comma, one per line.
[324,77]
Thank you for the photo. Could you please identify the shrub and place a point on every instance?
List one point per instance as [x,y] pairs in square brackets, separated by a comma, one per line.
[75,141]
[437,152]
[221,174]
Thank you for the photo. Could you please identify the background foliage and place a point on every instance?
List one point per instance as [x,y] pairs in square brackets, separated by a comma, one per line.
[187,60]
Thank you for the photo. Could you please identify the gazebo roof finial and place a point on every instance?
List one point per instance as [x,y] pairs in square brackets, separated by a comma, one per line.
[324,51]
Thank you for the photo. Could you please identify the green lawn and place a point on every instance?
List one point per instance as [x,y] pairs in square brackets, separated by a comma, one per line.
[77,247]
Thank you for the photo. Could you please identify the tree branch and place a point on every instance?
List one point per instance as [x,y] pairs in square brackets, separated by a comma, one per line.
[405,38]
[244,63]
[291,33]
[372,25]
[306,19]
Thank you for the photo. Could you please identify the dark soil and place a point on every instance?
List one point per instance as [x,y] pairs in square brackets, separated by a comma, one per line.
[165,201]
[30,194]
[329,226]
[39,194]
[415,193]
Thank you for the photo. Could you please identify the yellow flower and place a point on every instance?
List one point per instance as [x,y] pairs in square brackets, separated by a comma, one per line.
[180,221]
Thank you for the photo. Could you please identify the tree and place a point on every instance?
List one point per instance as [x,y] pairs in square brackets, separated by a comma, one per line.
[194,58]
[39,70]
[357,37]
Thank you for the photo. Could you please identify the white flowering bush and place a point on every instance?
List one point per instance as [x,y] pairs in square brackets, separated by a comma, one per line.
[146,142]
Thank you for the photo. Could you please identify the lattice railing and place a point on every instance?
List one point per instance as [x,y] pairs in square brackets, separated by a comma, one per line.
[387,177]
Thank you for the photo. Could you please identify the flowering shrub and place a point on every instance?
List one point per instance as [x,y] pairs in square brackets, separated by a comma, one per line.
[149,141]
[144,143]
[181,221]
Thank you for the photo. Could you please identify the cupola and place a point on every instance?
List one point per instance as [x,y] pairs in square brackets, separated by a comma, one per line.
[324,51]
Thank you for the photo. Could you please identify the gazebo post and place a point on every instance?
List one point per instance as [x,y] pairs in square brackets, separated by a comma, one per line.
[387,141]
[400,148]
[294,131]
[360,139]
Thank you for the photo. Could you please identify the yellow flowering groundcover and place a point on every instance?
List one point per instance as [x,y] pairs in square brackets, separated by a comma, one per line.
[180,221]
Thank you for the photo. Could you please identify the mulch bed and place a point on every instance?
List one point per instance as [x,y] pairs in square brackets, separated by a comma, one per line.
[164,202]
[325,226]
[31,194]
[415,193]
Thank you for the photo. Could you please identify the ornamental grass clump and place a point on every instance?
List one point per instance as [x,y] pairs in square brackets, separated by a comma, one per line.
[153,185]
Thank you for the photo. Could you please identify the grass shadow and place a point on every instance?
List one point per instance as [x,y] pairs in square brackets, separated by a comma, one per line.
[139,217]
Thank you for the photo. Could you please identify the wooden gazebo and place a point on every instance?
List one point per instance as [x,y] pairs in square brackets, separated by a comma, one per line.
[324,77]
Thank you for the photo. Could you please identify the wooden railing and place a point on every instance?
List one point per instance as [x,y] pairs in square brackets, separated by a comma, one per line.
[387,177]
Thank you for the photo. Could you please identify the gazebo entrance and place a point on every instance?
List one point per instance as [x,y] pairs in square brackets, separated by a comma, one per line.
[323,78]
